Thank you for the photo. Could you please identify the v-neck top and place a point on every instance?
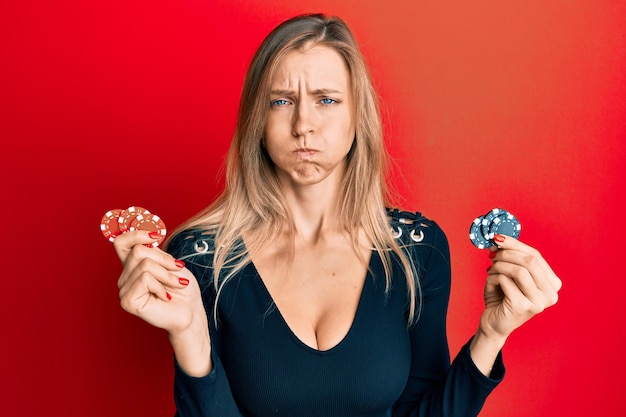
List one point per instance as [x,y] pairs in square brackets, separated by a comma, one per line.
[263,291]
[382,367]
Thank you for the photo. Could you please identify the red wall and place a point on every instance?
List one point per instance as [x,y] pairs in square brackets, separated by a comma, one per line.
[111,104]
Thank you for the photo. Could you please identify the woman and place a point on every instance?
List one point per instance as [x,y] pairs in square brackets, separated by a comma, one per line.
[298,292]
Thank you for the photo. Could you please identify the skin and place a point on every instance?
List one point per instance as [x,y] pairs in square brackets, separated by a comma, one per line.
[310,126]
[157,289]
[309,131]
[520,284]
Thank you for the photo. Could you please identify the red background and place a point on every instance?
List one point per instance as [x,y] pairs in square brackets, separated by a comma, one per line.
[110,104]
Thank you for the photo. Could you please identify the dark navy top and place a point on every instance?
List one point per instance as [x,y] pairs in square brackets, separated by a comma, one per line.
[381,368]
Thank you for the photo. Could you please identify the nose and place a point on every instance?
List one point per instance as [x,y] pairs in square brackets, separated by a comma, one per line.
[303,120]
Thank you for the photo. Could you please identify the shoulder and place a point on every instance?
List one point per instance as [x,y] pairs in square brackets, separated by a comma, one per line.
[426,245]
[202,252]
[190,243]
[195,247]
[413,229]
[424,242]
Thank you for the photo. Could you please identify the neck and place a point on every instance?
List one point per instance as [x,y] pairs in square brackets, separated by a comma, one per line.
[315,210]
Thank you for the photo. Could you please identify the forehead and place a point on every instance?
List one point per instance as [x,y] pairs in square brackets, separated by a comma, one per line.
[318,64]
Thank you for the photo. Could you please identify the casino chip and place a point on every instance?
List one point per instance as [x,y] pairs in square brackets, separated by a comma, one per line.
[127,216]
[151,223]
[488,220]
[109,224]
[117,221]
[496,222]
[505,224]
[476,234]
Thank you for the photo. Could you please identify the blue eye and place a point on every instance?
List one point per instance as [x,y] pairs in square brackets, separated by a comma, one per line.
[279,102]
[327,101]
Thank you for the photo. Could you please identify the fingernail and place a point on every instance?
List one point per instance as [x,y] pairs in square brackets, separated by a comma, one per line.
[179,263]
[183,281]
[499,238]
[492,255]
[167,294]
[488,268]
[153,235]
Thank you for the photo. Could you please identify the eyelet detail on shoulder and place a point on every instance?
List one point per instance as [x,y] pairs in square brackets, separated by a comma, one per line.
[407,222]
[201,249]
[417,238]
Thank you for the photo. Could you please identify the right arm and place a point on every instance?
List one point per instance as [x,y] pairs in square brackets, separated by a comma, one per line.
[160,290]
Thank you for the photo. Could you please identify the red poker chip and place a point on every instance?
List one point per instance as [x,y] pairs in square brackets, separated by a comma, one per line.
[151,223]
[127,216]
[109,225]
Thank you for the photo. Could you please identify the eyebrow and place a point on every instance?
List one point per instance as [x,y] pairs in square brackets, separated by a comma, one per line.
[316,92]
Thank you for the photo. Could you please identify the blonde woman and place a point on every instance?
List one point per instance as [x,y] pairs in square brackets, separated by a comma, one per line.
[299,291]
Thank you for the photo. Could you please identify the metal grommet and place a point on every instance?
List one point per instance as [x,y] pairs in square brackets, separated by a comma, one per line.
[201,249]
[397,235]
[417,238]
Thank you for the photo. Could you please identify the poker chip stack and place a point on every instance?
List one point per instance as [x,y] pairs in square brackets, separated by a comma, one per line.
[496,222]
[118,221]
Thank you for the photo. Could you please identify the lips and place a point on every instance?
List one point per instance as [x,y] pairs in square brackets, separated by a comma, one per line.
[305,153]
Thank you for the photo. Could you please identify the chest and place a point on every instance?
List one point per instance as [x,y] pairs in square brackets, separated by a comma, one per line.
[273,371]
[317,293]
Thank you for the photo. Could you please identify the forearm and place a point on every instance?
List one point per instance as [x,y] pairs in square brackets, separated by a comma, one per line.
[484,351]
[192,347]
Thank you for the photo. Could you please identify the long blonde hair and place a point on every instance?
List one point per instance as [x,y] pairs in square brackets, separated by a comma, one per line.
[252,200]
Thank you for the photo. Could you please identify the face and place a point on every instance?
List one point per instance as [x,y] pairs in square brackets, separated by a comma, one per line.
[310,126]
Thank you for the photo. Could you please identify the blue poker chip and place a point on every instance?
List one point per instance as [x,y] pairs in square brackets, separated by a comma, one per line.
[476,234]
[488,220]
[505,224]
[496,222]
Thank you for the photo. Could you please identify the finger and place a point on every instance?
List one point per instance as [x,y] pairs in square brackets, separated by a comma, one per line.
[124,243]
[154,267]
[518,304]
[521,277]
[139,252]
[514,251]
[508,242]
[136,296]
[493,292]
[539,270]
[529,284]
[150,275]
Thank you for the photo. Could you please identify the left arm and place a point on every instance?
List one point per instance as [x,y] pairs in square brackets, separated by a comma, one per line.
[520,284]
[436,387]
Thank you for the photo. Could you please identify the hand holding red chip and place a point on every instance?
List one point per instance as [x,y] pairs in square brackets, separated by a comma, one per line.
[117,221]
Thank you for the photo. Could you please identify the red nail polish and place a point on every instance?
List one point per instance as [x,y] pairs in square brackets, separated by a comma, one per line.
[488,269]
[153,235]
[183,281]
[492,255]
[167,294]
[498,238]
[179,263]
